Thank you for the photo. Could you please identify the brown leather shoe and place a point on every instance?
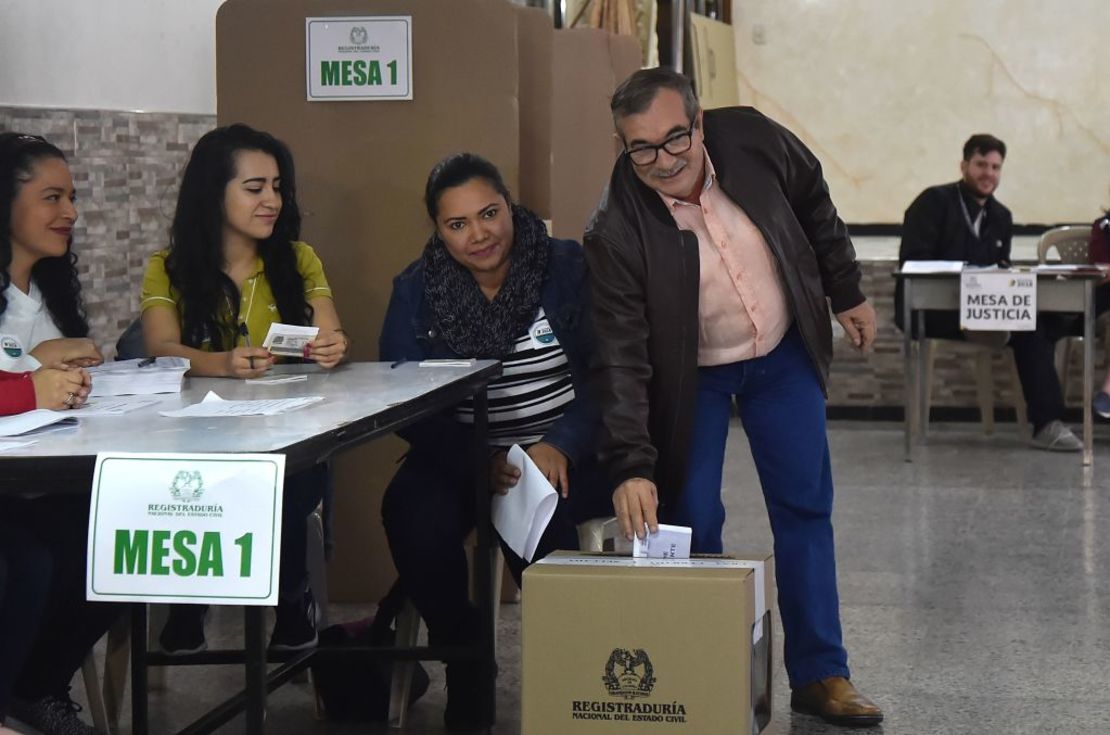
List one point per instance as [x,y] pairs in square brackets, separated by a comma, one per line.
[836,701]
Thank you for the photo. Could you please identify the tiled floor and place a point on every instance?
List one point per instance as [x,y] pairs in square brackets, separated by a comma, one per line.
[974,589]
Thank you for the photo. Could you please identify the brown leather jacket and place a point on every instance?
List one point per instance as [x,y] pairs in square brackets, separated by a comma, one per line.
[644,273]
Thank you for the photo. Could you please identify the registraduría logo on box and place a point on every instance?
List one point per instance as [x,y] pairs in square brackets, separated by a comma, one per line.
[629,676]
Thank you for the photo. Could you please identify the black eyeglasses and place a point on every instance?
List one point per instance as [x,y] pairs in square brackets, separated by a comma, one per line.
[645,155]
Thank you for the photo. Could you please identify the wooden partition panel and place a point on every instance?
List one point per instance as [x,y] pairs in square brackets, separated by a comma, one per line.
[361,168]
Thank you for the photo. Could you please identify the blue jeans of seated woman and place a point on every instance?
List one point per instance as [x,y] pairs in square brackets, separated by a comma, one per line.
[428,511]
[782,410]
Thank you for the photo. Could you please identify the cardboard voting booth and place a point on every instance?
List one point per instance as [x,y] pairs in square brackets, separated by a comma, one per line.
[618,645]
[369,96]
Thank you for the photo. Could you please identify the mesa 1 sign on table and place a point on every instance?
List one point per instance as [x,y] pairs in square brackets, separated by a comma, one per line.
[185,528]
[998,300]
[358,59]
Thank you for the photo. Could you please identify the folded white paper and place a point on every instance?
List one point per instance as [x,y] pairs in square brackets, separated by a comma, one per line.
[669,542]
[31,421]
[289,339]
[214,406]
[521,516]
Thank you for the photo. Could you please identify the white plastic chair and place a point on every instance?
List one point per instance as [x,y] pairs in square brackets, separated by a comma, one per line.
[1072,245]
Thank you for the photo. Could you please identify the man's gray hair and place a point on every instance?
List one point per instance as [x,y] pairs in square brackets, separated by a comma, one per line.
[635,94]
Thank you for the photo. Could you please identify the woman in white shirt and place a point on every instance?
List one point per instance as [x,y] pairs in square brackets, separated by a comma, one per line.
[42,318]
[42,321]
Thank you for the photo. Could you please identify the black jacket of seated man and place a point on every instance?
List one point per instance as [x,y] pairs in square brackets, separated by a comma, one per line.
[940,225]
[935,228]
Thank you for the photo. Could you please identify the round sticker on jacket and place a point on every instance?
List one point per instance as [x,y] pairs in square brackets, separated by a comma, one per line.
[11,346]
[542,335]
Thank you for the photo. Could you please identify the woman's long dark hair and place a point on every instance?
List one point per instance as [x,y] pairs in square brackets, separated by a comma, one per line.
[196,256]
[55,277]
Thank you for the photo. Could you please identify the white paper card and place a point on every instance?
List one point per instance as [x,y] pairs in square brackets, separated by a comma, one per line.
[521,515]
[669,542]
[214,406]
[998,300]
[185,528]
[289,340]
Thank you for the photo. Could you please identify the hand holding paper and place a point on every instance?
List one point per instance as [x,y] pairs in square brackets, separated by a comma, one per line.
[522,514]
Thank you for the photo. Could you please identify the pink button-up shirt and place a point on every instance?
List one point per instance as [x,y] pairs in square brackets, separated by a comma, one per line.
[742,310]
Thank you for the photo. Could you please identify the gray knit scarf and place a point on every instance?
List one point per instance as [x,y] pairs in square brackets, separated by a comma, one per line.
[472,325]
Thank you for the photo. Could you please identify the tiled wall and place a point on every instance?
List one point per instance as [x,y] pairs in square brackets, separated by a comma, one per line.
[127,166]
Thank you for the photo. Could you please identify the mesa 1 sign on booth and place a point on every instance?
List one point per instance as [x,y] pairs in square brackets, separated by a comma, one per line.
[358,59]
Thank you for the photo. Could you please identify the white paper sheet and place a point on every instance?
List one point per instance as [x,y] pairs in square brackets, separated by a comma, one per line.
[521,516]
[23,423]
[6,446]
[669,542]
[932,266]
[114,406]
[276,379]
[289,339]
[214,406]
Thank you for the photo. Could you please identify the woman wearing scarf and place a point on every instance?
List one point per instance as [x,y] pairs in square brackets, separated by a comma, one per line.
[490,284]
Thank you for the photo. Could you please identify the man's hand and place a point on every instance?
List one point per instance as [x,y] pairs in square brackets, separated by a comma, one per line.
[636,502]
[859,325]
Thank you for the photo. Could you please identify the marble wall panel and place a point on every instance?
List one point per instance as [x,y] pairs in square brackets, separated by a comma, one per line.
[887,92]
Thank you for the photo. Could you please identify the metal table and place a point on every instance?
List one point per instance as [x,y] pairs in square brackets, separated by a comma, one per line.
[1060,293]
[363,401]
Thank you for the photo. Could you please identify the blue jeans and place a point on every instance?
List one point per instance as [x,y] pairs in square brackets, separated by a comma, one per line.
[782,409]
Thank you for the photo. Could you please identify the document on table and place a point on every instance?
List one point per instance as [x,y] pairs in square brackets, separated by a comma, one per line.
[114,406]
[276,379]
[214,406]
[6,446]
[932,266]
[289,340]
[521,516]
[35,421]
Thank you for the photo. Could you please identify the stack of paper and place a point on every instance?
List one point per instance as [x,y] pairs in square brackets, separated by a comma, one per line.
[139,377]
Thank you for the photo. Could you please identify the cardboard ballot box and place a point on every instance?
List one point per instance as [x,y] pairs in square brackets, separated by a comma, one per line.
[615,645]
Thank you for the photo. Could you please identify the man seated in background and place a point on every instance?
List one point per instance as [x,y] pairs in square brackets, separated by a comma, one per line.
[963,221]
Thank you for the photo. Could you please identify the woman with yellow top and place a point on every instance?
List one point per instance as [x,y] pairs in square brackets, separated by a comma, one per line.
[234,266]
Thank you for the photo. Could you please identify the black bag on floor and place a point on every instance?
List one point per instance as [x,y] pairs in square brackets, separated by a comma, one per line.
[356,688]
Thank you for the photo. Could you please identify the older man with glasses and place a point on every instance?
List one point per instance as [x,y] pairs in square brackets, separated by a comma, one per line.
[715,254]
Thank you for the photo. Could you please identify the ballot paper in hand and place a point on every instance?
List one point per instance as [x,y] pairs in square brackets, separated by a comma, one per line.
[289,340]
[669,542]
[521,516]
